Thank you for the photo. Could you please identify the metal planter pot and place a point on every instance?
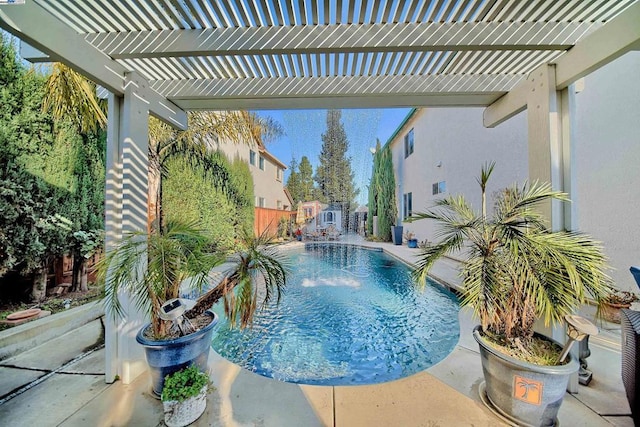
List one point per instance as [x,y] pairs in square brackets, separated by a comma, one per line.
[527,394]
[167,357]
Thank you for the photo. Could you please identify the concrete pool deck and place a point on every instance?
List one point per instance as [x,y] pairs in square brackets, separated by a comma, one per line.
[74,393]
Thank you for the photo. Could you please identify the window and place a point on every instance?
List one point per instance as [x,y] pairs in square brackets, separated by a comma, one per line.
[279,204]
[328,217]
[252,157]
[279,174]
[408,144]
[407,207]
[261,202]
[439,187]
[261,163]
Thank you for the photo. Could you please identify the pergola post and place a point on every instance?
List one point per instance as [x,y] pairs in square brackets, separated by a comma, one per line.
[544,117]
[126,202]
[549,117]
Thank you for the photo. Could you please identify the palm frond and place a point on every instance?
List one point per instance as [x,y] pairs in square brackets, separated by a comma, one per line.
[149,269]
[516,269]
[70,96]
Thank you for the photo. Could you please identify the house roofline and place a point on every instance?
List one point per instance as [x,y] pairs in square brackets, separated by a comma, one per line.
[400,126]
[271,157]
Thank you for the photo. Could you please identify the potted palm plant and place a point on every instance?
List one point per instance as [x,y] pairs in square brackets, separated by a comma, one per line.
[184,396]
[610,306]
[152,268]
[517,271]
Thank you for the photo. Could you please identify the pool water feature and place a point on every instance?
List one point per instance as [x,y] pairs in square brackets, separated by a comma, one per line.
[349,316]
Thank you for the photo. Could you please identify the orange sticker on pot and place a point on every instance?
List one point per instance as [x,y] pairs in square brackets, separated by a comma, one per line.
[527,390]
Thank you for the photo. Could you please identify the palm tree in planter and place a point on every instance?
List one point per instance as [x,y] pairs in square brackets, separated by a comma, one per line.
[517,271]
[152,268]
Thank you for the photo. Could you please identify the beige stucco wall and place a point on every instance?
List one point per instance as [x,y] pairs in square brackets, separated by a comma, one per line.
[607,163]
[456,139]
[606,160]
[265,183]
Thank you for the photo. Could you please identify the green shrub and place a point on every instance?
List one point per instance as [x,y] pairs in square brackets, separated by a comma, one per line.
[183,384]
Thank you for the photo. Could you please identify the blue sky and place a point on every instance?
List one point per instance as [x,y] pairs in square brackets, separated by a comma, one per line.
[304,129]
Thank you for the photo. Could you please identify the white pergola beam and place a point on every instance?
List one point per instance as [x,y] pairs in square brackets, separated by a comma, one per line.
[31,54]
[459,36]
[616,38]
[507,106]
[341,102]
[378,90]
[609,42]
[37,27]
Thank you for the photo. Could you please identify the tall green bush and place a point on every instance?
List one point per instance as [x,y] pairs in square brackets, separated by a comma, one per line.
[51,177]
[382,194]
[188,195]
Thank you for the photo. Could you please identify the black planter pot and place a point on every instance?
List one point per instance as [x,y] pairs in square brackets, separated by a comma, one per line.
[396,234]
[527,394]
[166,357]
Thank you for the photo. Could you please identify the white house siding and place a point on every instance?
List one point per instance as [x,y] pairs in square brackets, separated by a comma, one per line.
[265,182]
[455,139]
[607,163]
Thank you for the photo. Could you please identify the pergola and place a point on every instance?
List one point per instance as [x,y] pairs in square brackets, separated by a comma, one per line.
[163,57]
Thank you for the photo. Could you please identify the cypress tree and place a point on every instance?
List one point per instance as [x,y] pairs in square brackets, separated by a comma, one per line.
[382,194]
[386,195]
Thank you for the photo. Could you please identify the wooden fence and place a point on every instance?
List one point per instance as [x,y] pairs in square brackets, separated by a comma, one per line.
[268,219]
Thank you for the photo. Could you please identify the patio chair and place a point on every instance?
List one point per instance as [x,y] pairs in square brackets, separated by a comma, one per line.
[635,271]
[332,233]
[312,235]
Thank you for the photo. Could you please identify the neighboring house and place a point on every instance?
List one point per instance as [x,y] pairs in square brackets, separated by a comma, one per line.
[267,172]
[308,214]
[439,152]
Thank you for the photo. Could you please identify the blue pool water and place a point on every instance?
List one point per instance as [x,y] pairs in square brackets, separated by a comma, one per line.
[349,316]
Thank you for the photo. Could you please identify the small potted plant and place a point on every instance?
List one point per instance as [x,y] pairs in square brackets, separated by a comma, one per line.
[410,237]
[610,306]
[184,396]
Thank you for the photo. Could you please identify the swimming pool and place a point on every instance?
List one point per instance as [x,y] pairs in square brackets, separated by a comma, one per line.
[349,316]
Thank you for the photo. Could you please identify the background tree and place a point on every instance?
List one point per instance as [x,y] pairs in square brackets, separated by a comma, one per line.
[293,182]
[333,175]
[307,189]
